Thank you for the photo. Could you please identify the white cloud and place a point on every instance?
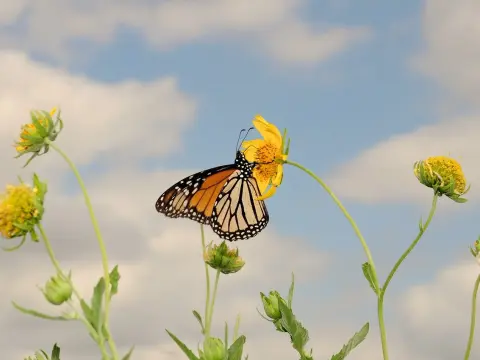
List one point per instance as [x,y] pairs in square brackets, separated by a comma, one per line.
[383,173]
[452,46]
[116,119]
[298,43]
[167,24]
[441,310]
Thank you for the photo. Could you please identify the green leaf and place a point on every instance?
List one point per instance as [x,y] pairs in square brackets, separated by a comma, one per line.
[199,318]
[114,279]
[55,353]
[298,333]
[87,311]
[37,313]
[96,304]
[352,343]
[367,272]
[290,292]
[127,355]
[236,350]
[183,347]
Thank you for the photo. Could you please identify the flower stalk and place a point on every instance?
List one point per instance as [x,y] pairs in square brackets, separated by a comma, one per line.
[101,244]
[473,316]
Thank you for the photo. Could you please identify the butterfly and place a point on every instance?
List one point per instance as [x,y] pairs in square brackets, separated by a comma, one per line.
[224,197]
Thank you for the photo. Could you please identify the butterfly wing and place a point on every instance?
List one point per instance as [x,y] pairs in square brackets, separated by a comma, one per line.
[194,197]
[237,214]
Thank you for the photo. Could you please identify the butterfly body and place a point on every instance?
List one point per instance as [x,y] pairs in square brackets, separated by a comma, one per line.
[224,197]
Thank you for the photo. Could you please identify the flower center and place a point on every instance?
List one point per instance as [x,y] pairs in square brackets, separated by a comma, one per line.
[266,153]
[267,167]
[448,168]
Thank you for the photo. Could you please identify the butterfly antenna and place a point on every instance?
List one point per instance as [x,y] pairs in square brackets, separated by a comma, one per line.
[238,140]
[239,143]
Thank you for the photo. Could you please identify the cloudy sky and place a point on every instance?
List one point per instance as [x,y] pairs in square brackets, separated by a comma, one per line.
[152,91]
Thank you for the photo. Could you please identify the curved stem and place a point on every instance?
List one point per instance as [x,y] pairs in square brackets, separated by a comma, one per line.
[472,319]
[207,300]
[345,213]
[101,244]
[98,337]
[378,291]
[423,228]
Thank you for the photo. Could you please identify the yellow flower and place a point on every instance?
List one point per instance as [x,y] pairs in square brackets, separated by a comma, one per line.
[21,208]
[17,205]
[270,155]
[35,136]
[444,175]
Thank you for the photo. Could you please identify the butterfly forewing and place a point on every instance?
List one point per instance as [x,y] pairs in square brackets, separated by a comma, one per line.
[192,196]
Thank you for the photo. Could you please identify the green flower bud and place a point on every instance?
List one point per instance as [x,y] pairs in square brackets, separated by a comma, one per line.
[444,175]
[270,304]
[220,257]
[58,290]
[213,349]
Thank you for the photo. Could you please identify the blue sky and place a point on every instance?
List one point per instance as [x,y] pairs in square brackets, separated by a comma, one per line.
[372,87]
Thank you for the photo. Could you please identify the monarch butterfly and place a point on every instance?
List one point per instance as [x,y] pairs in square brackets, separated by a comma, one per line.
[224,197]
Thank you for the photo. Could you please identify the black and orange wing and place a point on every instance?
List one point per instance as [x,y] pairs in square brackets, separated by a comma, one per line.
[194,197]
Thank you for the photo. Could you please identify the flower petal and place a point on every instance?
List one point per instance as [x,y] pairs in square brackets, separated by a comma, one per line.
[277,180]
[251,147]
[269,193]
[269,131]
[262,184]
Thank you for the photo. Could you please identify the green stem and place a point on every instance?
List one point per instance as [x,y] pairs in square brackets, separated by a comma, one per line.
[98,337]
[366,249]
[214,295]
[101,244]
[423,228]
[207,301]
[472,319]
[380,299]
[346,214]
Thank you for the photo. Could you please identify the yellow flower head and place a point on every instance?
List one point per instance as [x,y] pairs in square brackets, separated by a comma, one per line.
[270,154]
[444,175]
[21,208]
[35,136]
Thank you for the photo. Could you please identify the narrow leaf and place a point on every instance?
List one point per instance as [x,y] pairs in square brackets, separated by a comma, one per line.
[37,313]
[352,343]
[127,355]
[199,319]
[87,311]
[96,304]
[183,347]
[367,272]
[114,279]
[290,292]
[55,353]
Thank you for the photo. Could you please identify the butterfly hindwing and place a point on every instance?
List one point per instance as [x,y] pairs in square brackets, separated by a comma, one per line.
[237,214]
